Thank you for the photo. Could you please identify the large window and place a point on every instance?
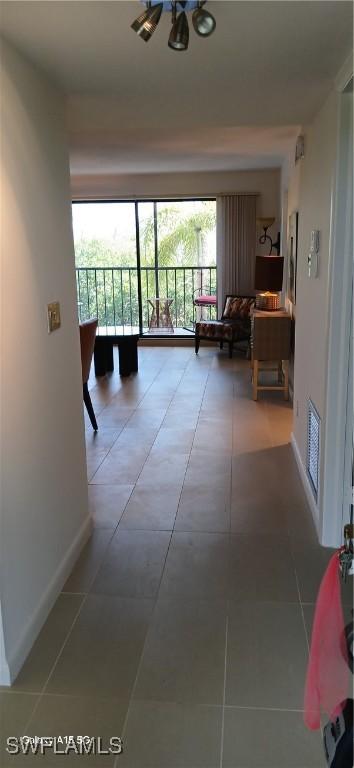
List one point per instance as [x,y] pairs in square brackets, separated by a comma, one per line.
[128,253]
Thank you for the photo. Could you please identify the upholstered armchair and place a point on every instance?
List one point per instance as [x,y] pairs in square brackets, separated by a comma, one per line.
[234,325]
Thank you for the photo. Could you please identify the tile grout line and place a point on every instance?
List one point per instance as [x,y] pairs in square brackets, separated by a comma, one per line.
[172,530]
[157,701]
[85,595]
[89,480]
[99,566]
[42,693]
[300,600]
[224,692]
[147,457]
[234,397]
[135,484]
[262,709]
[190,450]
[122,429]
[303,620]
[113,531]
[158,430]
[131,697]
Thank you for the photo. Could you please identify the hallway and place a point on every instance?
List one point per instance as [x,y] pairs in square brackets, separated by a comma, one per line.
[184,626]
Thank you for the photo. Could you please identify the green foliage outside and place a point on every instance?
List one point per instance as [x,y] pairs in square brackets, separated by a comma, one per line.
[112,294]
[181,240]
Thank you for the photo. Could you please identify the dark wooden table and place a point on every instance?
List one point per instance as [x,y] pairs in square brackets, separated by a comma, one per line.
[127,340]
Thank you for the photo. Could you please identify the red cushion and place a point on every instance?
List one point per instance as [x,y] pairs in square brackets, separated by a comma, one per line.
[200,300]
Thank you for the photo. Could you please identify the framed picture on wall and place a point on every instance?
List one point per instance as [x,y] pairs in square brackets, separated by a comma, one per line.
[292,255]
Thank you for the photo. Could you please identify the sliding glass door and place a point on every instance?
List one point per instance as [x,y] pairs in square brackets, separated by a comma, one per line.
[128,254]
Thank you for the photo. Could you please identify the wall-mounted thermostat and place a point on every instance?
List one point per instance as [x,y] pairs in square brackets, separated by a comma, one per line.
[312,263]
[53,316]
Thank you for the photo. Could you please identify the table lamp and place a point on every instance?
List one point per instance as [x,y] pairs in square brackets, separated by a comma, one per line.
[269,280]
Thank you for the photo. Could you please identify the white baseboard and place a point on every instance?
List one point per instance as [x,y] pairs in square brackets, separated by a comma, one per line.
[306,483]
[12,665]
[5,678]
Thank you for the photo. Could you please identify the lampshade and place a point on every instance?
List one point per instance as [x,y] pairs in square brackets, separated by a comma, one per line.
[265,222]
[146,23]
[269,273]
[179,36]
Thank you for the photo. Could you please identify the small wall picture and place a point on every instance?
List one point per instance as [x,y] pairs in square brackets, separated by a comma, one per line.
[292,255]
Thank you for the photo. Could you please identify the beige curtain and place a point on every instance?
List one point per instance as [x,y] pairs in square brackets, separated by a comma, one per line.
[236,245]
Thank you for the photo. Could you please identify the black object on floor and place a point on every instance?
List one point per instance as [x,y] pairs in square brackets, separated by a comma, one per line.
[128,355]
[88,331]
[127,347]
[89,406]
[338,739]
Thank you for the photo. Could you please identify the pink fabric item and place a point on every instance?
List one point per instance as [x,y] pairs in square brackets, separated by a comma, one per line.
[327,672]
[207,300]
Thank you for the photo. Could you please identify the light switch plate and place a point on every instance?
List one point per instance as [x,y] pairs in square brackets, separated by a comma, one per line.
[315,241]
[53,316]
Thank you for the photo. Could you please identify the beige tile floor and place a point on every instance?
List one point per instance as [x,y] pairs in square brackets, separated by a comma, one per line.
[184,625]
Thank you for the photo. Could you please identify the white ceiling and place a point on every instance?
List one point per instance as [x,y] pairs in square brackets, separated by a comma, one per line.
[234,100]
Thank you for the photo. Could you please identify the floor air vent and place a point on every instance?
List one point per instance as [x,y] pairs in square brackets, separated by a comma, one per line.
[313,447]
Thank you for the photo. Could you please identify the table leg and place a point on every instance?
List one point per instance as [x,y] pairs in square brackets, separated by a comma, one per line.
[286,379]
[280,372]
[128,356]
[255,379]
[103,356]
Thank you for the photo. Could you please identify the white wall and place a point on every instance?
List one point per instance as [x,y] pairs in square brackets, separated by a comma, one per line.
[310,191]
[44,510]
[338,459]
[264,182]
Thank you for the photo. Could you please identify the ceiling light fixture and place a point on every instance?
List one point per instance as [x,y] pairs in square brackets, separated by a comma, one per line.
[179,36]
[203,21]
[146,23]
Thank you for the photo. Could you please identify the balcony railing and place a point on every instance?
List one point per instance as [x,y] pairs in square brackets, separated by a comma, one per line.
[112,294]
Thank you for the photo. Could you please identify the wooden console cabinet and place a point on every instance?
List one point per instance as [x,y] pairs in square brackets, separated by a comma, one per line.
[270,344]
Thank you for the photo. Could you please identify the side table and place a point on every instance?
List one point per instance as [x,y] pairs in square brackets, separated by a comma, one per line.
[127,341]
[160,320]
